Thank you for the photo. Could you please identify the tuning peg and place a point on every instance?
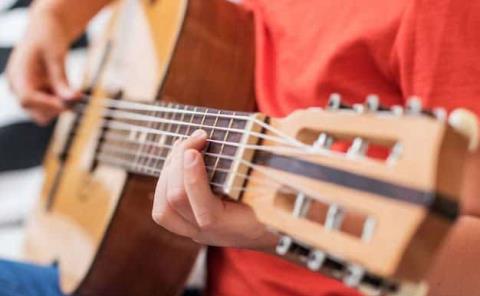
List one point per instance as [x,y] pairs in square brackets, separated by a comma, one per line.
[466,123]
[372,103]
[368,229]
[397,110]
[359,108]
[316,259]
[440,114]
[358,148]
[284,245]
[302,204]
[334,217]
[287,245]
[335,102]
[354,275]
[324,141]
[414,106]
[395,154]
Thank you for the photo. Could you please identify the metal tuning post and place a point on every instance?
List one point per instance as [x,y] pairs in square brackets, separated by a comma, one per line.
[368,229]
[302,204]
[358,148]
[440,114]
[334,218]
[288,246]
[324,141]
[360,108]
[354,275]
[316,260]
[397,110]
[284,245]
[372,103]
[395,154]
[335,102]
[414,106]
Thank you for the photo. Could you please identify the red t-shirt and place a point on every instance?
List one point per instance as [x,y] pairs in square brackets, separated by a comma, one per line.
[308,49]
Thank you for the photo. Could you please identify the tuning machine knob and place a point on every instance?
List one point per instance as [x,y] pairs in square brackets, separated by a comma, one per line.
[316,259]
[414,106]
[288,246]
[354,275]
[335,103]
[397,110]
[440,114]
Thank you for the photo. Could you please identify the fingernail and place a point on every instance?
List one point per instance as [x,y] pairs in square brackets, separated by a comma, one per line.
[189,158]
[199,134]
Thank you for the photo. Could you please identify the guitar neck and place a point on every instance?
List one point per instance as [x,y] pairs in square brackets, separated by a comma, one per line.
[139,137]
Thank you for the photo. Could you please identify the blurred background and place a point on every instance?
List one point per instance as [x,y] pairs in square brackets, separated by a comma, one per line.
[22,143]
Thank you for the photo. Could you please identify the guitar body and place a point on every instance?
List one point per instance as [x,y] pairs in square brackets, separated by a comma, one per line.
[95,220]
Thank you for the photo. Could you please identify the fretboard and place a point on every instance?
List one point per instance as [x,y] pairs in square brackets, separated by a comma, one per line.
[140,140]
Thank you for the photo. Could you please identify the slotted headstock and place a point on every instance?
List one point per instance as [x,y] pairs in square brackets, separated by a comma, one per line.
[362,191]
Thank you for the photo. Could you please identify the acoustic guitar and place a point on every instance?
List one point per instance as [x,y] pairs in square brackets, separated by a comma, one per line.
[168,67]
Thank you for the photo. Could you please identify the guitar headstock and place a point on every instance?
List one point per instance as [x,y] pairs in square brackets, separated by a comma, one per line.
[362,191]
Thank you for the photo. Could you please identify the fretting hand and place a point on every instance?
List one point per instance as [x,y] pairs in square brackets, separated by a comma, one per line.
[184,203]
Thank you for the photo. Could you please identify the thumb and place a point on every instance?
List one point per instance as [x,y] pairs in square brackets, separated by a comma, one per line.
[58,78]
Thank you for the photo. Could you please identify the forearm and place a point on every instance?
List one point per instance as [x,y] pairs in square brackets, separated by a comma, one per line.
[71,16]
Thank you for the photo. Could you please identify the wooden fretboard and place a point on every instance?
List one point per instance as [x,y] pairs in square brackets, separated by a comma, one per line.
[141,146]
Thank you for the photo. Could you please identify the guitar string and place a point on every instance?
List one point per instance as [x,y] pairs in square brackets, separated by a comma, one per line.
[155,172]
[129,127]
[117,114]
[109,122]
[137,106]
[110,148]
[169,147]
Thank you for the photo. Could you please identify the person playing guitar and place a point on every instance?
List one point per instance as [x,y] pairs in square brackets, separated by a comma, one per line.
[305,50]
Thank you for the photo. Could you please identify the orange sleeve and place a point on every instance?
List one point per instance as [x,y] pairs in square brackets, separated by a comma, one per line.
[437,53]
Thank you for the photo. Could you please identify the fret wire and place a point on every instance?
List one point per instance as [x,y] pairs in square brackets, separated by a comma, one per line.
[202,123]
[136,135]
[221,148]
[148,148]
[181,119]
[159,126]
[210,175]
[163,139]
[170,140]
[191,122]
